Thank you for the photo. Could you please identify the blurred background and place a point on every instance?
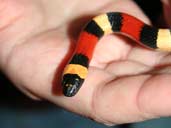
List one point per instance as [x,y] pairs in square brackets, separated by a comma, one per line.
[18,111]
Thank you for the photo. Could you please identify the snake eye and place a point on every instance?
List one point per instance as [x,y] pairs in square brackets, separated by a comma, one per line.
[71,84]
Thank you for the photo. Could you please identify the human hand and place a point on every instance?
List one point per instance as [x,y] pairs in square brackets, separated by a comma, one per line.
[37,38]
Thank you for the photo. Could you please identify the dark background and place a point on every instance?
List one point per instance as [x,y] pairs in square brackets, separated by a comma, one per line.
[18,111]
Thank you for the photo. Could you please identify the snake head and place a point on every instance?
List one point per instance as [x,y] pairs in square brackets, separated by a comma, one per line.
[71,83]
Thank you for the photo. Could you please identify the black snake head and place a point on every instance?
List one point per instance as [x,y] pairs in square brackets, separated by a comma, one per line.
[71,83]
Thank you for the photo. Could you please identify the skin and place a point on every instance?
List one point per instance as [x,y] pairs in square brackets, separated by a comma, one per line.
[126,82]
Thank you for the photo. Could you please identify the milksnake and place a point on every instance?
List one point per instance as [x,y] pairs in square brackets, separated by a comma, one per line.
[76,70]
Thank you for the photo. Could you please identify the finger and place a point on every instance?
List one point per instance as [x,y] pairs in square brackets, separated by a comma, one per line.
[154,96]
[166,60]
[148,57]
[133,99]
[162,70]
[127,68]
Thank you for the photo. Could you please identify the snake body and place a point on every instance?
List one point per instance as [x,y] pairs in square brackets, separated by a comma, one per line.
[76,70]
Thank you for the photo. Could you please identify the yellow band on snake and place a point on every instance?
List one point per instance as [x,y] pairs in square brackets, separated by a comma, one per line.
[80,70]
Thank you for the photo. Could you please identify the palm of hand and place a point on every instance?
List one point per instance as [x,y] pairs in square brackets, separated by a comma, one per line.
[121,86]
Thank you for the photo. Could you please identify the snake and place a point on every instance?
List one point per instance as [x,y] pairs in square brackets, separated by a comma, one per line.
[76,70]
